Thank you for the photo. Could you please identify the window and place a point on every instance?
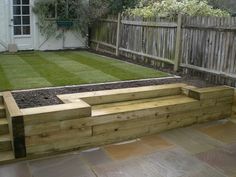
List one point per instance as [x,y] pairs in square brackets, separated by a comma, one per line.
[21,17]
[61,10]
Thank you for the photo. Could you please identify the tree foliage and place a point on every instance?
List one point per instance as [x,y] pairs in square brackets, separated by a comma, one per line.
[50,12]
[229,5]
[170,8]
[81,12]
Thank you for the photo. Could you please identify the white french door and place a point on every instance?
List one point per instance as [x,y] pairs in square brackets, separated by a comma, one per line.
[22,32]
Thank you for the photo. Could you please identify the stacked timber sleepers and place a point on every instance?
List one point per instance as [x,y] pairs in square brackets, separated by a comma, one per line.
[234,107]
[78,124]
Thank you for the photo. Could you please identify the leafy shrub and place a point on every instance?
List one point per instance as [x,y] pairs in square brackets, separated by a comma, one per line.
[171,8]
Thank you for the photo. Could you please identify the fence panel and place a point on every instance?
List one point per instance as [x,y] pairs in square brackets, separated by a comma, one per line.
[146,39]
[207,46]
[103,34]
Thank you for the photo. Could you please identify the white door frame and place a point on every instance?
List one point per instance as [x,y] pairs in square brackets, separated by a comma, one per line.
[24,42]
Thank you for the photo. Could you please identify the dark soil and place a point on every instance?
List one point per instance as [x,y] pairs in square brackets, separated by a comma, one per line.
[45,97]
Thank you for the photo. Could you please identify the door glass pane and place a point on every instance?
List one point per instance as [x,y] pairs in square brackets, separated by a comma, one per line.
[25,10]
[16,2]
[17,20]
[17,30]
[16,10]
[25,1]
[26,20]
[21,17]
[26,30]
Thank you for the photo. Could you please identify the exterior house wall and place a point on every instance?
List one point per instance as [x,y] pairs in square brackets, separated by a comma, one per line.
[37,41]
[4,16]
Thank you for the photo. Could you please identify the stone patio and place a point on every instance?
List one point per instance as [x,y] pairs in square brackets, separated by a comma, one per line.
[206,150]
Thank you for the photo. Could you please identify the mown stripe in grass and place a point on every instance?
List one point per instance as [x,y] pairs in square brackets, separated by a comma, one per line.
[55,74]
[100,64]
[89,74]
[19,74]
[4,82]
[134,68]
[108,65]
[140,70]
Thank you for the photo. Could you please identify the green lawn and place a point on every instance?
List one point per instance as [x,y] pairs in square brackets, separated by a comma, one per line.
[44,69]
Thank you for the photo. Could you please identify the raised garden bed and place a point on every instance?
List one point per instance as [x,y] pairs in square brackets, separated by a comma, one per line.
[102,117]
[46,97]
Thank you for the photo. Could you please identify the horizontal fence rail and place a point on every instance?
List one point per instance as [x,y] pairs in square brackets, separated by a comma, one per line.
[202,46]
[153,38]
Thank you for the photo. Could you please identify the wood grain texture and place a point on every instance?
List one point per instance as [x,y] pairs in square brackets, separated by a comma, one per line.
[56,113]
[212,92]
[16,124]
[102,117]
[233,116]
[205,46]
[117,95]
[1,99]
[209,48]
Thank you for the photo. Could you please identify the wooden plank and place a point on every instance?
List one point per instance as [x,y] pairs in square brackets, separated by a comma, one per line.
[204,52]
[1,98]
[6,157]
[126,94]
[165,60]
[215,28]
[211,92]
[4,129]
[118,34]
[96,100]
[87,142]
[178,43]
[218,112]
[233,116]
[223,74]
[11,105]
[63,125]
[124,134]
[126,125]
[185,90]
[104,43]
[56,113]
[5,142]
[2,111]
[150,24]
[50,137]
[172,102]
[16,125]
[173,120]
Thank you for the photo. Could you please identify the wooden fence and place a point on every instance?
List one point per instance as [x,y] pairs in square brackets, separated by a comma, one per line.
[202,46]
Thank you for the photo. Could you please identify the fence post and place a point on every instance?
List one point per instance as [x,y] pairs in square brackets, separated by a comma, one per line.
[118,34]
[178,43]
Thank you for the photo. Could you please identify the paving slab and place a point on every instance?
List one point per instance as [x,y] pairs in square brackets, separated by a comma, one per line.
[15,170]
[179,163]
[128,168]
[140,147]
[225,161]
[173,162]
[96,156]
[191,140]
[64,166]
[225,132]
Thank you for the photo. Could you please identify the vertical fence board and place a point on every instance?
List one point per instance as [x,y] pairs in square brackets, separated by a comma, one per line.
[207,48]
[211,49]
